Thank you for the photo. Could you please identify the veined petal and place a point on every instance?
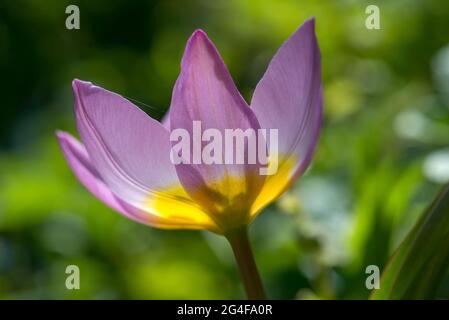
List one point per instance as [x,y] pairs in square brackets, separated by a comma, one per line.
[78,160]
[289,98]
[206,93]
[131,153]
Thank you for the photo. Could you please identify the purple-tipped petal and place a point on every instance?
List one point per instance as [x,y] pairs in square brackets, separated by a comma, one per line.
[131,153]
[205,92]
[289,98]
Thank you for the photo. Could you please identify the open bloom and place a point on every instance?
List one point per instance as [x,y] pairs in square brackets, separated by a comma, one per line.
[124,157]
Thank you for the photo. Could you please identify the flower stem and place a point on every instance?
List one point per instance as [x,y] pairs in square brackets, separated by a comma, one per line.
[247,266]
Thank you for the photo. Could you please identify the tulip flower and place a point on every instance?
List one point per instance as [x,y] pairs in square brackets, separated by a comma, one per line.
[124,158]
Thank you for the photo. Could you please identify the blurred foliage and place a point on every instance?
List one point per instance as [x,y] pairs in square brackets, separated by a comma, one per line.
[382,155]
[417,267]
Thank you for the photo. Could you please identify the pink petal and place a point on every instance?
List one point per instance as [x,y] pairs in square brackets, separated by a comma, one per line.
[131,153]
[206,92]
[78,159]
[289,98]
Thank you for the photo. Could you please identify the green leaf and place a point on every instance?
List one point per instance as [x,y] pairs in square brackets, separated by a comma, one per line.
[419,264]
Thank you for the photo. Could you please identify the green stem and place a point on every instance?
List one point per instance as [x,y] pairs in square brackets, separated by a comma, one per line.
[247,266]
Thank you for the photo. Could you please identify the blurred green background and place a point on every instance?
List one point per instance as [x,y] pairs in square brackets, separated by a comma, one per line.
[382,155]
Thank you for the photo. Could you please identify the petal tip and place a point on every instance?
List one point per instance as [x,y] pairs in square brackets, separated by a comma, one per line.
[309,24]
[64,138]
[60,134]
[63,141]
[311,21]
[199,34]
[197,44]
[79,85]
[199,37]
